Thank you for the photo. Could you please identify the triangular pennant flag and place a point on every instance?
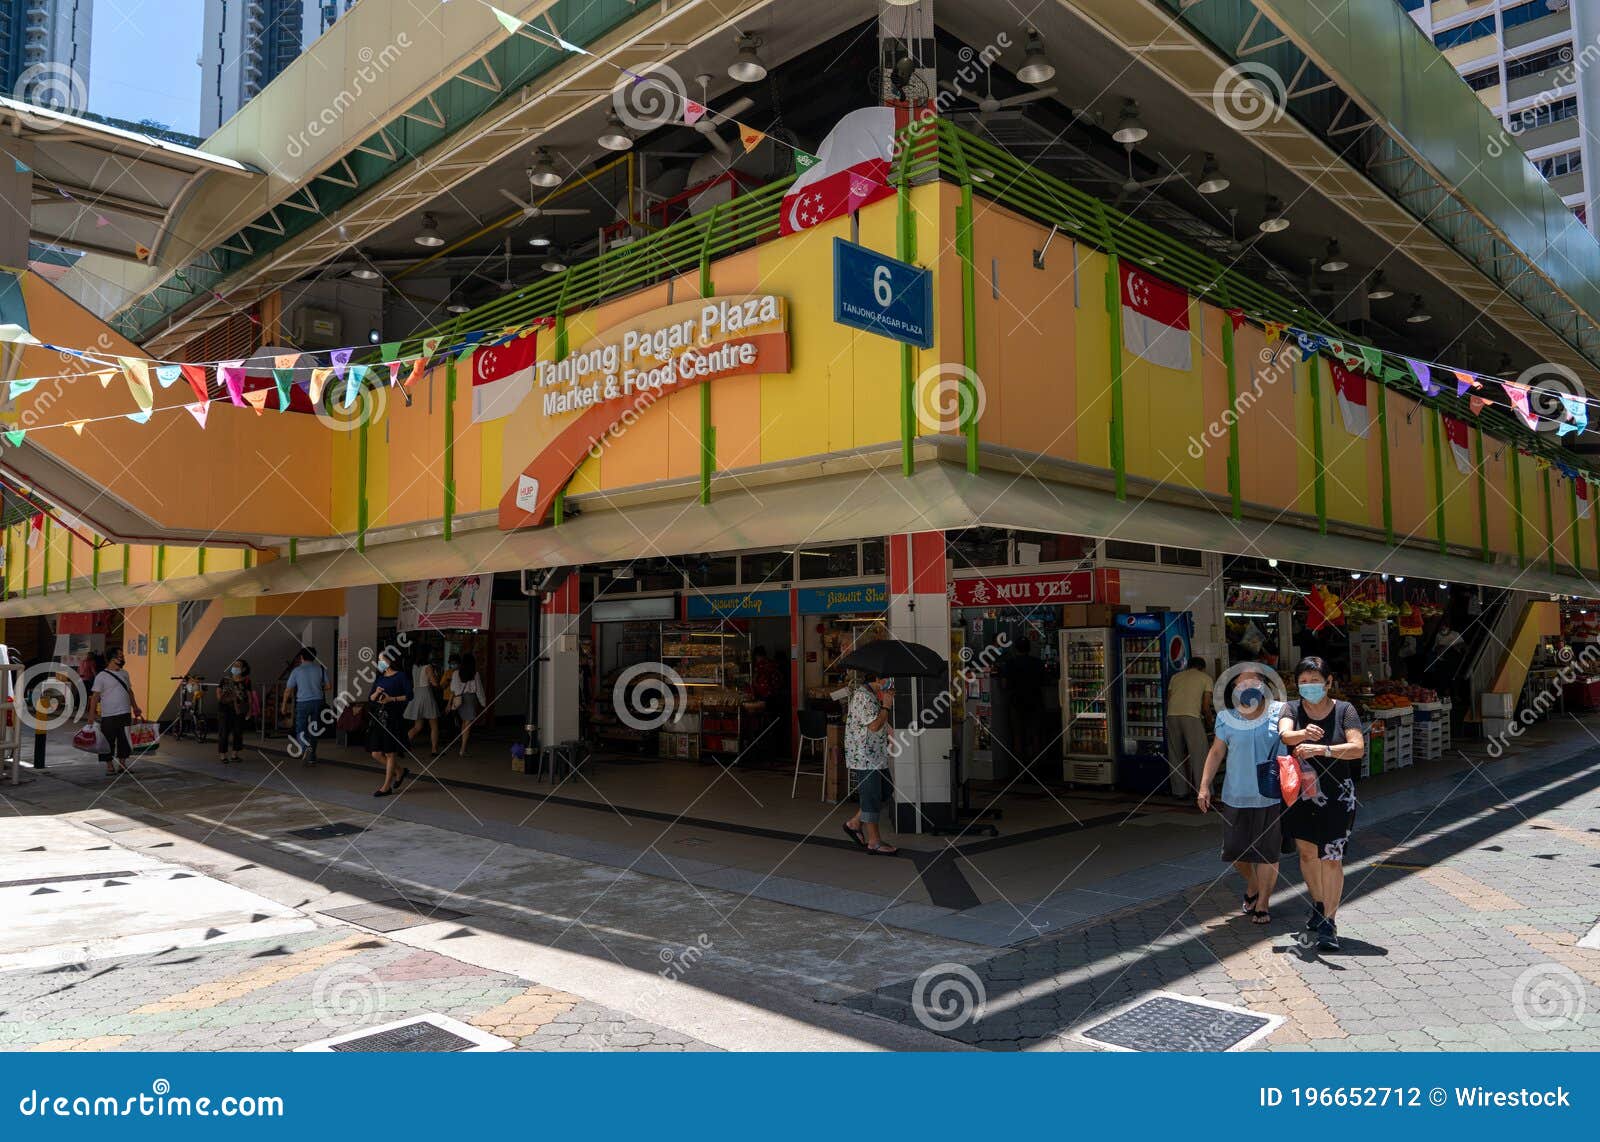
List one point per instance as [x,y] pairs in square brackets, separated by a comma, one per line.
[1274,330]
[415,374]
[77,426]
[1582,483]
[394,373]
[196,376]
[284,380]
[319,378]
[16,436]
[199,410]
[141,417]
[1465,381]
[1518,395]
[389,350]
[141,251]
[20,387]
[572,47]
[137,371]
[101,220]
[1236,318]
[257,399]
[1476,403]
[1542,463]
[232,376]
[353,379]
[1577,414]
[750,137]
[1310,343]
[168,375]
[340,358]
[1371,359]
[507,21]
[1424,374]
[36,529]
[693,112]
[17,335]
[285,360]
[22,167]
[106,377]
[804,161]
[430,345]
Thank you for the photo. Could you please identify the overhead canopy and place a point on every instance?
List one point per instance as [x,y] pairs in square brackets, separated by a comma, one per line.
[861,503]
[104,189]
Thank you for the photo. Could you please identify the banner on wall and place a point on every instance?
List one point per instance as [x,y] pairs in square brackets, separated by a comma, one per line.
[1456,432]
[1351,390]
[1097,586]
[502,377]
[602,387]
[1155,320]
[462,602]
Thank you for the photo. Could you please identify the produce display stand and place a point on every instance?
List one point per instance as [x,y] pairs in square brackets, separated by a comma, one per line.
[1428,730]
[1395,727]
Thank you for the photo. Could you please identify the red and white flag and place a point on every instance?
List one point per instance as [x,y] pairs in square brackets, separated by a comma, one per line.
[1583,496]
[1155,320]
[1456,432]
[852,170]
[1352,393]
[36,530]
[502,377]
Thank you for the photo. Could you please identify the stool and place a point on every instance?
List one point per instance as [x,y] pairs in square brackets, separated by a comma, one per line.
[813,736]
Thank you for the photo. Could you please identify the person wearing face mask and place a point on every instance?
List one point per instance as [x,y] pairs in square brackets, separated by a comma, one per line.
[1247,737]
[233,711]
[111,703]
[386,728]
[1325,735]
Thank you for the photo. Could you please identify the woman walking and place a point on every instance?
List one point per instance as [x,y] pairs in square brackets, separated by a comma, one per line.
[866,755]
[233,710]
[386,727]
[469,699]
[1326,736]
[424,707]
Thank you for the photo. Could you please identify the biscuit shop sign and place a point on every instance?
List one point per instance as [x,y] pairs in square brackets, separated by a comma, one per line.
[607,383]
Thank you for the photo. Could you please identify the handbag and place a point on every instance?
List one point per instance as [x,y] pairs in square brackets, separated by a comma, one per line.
[91,740]
[1288,779]
[144,736]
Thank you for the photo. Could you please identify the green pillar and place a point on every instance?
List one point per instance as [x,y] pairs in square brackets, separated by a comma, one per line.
[1319,486]
[1119,460]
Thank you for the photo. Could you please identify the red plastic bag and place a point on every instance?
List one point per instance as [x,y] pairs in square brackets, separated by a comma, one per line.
[1289,778]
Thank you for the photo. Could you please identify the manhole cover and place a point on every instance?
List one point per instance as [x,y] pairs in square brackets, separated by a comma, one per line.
[692,842]
[112,825]
[323,832]
[392,915]
[1167,1022]
[417,1033]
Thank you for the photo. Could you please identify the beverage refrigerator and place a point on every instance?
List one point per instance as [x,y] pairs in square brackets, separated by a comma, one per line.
[1088,716]
[1150,648]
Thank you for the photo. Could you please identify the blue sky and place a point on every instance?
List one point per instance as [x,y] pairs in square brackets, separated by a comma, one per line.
[142,61]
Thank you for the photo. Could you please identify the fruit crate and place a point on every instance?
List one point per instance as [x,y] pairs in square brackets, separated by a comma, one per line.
[1445,736]
[1398,727]
[1428,731]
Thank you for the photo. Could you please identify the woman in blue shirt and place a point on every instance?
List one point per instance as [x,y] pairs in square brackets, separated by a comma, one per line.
[1252,821]
[386,727]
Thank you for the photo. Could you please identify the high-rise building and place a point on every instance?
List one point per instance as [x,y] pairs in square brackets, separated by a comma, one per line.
[1522,58]
[246,43]
[44,51]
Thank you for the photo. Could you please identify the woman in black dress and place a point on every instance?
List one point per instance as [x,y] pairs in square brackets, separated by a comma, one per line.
[1326,735]
[386,727]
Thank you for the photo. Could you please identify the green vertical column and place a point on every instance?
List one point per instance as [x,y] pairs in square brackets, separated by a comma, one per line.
[450,447]
[94,567]
[200,561]
[1577,533]
[1437,431]
[969,325]
[708,430]
[294,550]
[1483,498]
[1516,503]
[1235,489]
[905,238]
[1119,458]
[5,574]
[67,579]
[44,558]
[1595,517]
[1549,524]
[161,562]
[127,562]
[1383,460]
[361,485]
[27,568]
[1319,485]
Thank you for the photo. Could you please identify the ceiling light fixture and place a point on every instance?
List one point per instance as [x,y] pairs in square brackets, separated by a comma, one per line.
[543,172]
[1212,180]
[1333,261]
[1418,314]
[1036,69]
[553,265]
[538,240]
[457,307]
[616,136]
[1274,222]
[430,233]
[1379,289]
[1129,129]
[747,66]
[365,273]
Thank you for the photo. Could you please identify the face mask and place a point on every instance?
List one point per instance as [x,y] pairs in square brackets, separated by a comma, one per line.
[1313,691]
[1251,695]
[235,671]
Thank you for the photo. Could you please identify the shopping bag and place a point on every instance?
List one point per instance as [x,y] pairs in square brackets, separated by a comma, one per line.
[1288,779]
[91,740]
[144,736]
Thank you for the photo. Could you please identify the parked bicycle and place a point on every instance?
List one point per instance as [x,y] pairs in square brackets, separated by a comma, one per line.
[191,720]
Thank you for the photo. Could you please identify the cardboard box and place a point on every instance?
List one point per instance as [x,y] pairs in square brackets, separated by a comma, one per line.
[1090,614]
[836,779]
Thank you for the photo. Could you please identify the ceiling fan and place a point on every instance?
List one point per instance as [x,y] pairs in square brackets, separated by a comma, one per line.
[709,125]
[504,283]
[988,105]
[1132,185]
[530,210]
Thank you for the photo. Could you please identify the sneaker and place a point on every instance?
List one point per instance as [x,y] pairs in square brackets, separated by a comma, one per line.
[1314,917]
[1328,936]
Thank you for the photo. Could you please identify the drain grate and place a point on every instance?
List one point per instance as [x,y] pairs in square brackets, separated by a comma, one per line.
[392,915]
[112,825]
[323,832]
[1166,1022]
[408,1037]
[64,879]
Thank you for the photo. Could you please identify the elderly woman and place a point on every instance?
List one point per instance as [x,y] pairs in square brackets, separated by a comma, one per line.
[233,711]
[1325,735]
[866,755]
[1251,806]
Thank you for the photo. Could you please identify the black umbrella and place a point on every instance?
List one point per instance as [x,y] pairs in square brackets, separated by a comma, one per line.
[892,658]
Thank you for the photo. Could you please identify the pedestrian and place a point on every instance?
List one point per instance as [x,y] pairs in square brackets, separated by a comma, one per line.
[424,709]
[112,705]
[304,694]
[386,728]
[469,700]
[1325,735]
[866,755]
[1252,818]
[1188,705]
[233,711]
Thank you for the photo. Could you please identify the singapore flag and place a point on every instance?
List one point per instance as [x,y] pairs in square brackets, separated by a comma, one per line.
[852,170]
[502,377]
[1155,320]
[1582,484]
[1456,432]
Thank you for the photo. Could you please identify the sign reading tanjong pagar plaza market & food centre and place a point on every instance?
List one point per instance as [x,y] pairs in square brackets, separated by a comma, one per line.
[605,384]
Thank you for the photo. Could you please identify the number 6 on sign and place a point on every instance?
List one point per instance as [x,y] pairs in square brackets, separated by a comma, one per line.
[881,291]
[882,295]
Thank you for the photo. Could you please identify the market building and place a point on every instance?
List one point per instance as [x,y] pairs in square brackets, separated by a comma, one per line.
[1129,427]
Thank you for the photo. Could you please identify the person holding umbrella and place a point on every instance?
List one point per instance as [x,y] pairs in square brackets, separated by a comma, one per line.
[866,755]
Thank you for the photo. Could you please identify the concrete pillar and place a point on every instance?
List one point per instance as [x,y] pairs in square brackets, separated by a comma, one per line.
[919,611]
[16,205]
[559,680]
[358,640]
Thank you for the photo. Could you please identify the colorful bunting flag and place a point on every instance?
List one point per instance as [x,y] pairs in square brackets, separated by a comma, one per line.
[1577,414]
[168,375]
[339,359]
[1582,483]
[750,137]
[231,374]
[1274,330]
[507,21]
[36,529]
[284,380]
[199,410]
[415,375]
[1465,381]
[1236,319]
[1518,395]
[319,379]
[20,387]
[196,376]
[1424,375]
[16,436]
[257,399]
[17,335]
[430,345]
[137,372]
[1476,403]
[140,417]
[141,251]
[1371,359]
[77,426]
[804,161]
[693,112]
[354,377]
[106,377]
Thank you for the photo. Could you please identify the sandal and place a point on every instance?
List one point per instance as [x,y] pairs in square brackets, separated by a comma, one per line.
[1260,916]
[855,835]
[1248,904]
[881,849]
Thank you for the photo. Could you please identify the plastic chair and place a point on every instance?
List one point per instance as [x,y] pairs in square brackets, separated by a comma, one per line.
[813,734]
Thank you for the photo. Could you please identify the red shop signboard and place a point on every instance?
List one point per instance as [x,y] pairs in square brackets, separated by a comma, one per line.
[1097,586]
